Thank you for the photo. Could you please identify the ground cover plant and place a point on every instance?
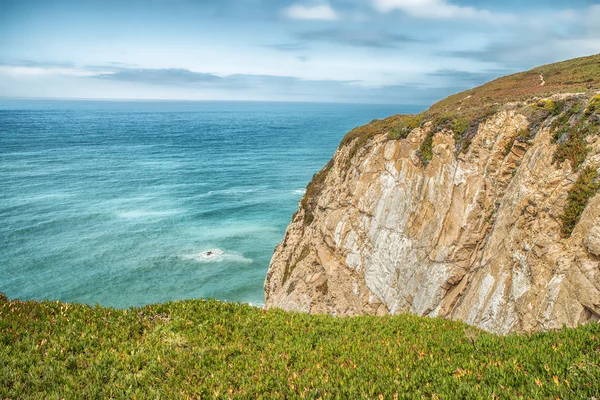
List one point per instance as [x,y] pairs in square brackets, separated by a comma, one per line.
[210,349]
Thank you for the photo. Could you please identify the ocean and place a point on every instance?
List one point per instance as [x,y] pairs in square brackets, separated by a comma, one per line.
[125,203]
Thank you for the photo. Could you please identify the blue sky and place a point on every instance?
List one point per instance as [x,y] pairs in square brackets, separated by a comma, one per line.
[364,51]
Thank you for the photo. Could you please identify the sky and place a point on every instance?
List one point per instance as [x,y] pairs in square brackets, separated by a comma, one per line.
[359,51]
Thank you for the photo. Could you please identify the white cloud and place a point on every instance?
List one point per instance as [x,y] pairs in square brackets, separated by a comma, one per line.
[314,11]
[41,71]
[437,9]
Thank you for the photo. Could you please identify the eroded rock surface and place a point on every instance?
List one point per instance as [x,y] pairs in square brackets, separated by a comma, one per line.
[474,236]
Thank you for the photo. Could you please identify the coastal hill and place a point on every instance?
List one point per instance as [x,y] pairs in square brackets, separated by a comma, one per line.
[483,209]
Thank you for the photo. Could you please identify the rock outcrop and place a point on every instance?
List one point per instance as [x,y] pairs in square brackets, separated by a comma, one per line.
[475,235]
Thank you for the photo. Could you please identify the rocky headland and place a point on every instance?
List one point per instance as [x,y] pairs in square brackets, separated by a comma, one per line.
[483,208]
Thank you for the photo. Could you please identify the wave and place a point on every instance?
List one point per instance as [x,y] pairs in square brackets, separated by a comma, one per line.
[227,192]
[217,255]
[257,305]
[147,214]
[299,191]
[48,196]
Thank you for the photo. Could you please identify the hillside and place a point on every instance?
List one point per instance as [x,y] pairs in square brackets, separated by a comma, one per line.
[483,208]
[209,349]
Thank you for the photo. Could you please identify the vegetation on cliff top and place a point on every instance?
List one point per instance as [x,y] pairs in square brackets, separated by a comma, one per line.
[462,114]
[209,349]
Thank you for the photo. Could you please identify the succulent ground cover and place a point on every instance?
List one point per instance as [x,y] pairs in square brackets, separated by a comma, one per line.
[210,349]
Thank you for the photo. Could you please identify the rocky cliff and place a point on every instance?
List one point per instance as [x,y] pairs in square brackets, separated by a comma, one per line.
[483,209]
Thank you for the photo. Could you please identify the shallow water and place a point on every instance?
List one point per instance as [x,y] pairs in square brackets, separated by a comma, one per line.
[118,203]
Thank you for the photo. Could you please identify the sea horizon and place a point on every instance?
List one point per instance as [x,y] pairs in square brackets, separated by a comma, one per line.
[419,107]
[125,203]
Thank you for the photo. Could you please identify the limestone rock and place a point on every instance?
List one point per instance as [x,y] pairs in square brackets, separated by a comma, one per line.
[592,241]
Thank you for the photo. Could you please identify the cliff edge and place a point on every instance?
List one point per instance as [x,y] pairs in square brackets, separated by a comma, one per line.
[484,208]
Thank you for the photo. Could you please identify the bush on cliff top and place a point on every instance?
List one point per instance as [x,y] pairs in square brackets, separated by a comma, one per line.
[582,191]
[209,349]
[571,129]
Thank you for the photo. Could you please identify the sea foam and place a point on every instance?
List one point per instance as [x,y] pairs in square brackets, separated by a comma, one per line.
[217,256]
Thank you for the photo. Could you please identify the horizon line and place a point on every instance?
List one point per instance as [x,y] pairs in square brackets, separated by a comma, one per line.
[132,99]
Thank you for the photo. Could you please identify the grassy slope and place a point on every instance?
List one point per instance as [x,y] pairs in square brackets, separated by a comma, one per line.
[210,349]
[579,75]
[571,76]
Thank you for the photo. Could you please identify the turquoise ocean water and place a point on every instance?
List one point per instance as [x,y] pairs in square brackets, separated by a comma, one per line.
[118,203]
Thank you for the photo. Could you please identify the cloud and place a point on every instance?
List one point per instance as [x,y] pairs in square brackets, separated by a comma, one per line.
[294,88]
[357,38]
[190,79]
[38,64]
[287,46]
[169,76]
[121,64]
[467,78]
[41,68]
[438,9]
[178,83]
[539,39]
[314,11]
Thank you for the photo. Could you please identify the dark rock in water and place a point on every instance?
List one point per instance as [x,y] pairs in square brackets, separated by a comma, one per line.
[209,253]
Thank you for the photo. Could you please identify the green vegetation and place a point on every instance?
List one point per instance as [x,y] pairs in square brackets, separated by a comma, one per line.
[584,189]
[593,106]
[426,149]
[405,126]
[463,112]
[460,126]
[574,148]
[550,106]
[570,131]
[561,125]
[209,349]
[396,126]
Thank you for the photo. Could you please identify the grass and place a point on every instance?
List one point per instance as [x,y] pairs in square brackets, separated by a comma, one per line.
[209,349]
[571,76]
[582,191]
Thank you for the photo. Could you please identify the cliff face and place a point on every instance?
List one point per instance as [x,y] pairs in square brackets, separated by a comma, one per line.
[472,224]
